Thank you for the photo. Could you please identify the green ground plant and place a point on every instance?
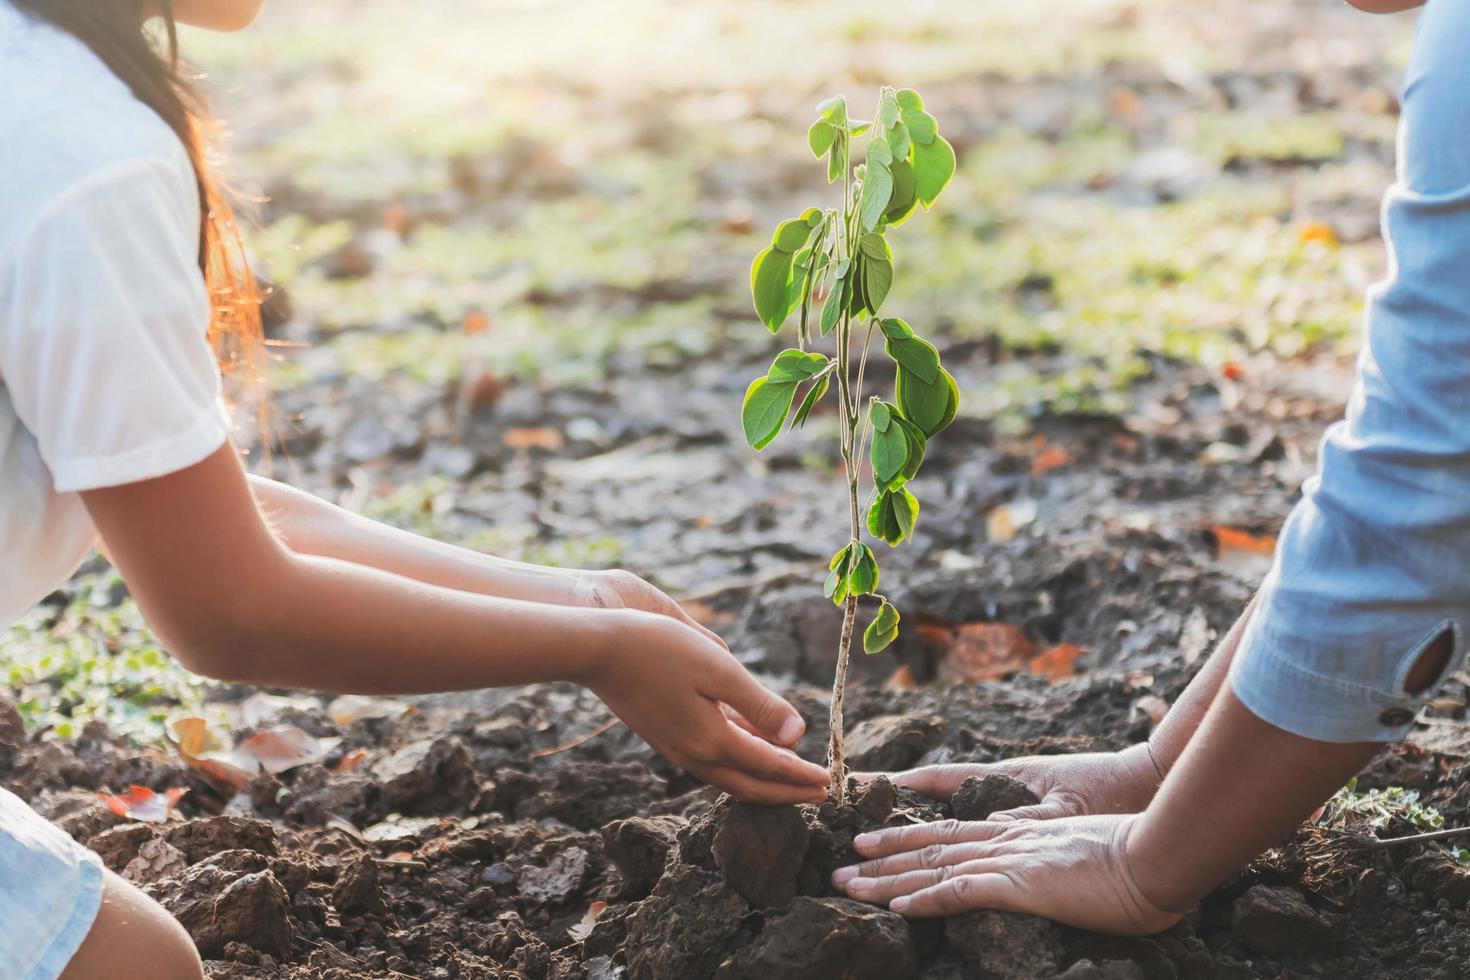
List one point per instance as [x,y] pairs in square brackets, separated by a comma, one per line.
[832,268]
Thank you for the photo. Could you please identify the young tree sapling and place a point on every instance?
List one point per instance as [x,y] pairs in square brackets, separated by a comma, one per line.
[834,267]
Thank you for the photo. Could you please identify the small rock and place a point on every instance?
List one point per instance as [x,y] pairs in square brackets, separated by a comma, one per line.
[1106,970]
[217,908]
[684,927]
[1279,920]
[639,847]
[356,889]
[156,859]
[199,839]
[558,881]
[120,845]
[1438,876]
[1005,945]
[827,937]
[759,850]
[428,776]
[980,796]
[892,741]
[875,799]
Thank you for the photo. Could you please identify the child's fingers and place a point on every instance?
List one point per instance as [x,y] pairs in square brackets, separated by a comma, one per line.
[770,716]
[752,790]
[760,759]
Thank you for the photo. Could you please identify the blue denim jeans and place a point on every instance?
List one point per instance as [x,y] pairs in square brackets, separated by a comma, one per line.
[50,890]
[1373,565]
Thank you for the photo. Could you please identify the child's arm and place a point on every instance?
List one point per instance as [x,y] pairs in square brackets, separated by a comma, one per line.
[232,602]
[312,526]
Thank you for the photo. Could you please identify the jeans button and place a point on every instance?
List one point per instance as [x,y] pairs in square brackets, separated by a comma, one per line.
[1394,717]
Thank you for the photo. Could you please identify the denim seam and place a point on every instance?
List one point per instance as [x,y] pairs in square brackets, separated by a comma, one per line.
[1268,652]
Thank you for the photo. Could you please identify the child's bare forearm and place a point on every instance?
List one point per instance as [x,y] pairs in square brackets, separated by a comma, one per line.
[309,525]
[1168,741]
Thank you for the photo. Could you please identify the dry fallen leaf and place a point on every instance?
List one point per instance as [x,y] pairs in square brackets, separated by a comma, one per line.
[540,437]
[1003,521]
[1050,458]
[1234,539]
[1057,663]
[141,803]
[475,322]
[583,929]
[973,652]
[1317,231]
[156,859]
[901,679]
[1153,706]
[347,708]
[274,750]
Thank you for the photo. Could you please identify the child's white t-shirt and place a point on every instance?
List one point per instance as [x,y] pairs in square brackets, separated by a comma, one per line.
[106,375]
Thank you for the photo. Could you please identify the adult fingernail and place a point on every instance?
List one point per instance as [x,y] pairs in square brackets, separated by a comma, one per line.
[843,874]
[857,886]
[865,840]
[791,730]
[899,904]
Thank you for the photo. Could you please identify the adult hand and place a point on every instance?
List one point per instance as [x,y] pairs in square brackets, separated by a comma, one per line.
[1072,870]
[673,685]
[1065,785]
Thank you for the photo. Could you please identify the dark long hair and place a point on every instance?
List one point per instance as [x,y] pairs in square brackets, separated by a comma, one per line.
[114,30]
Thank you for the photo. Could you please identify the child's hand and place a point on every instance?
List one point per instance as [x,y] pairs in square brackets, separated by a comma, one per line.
[668,682]
[618,589]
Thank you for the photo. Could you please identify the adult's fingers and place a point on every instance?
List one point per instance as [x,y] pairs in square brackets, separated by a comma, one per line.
[770,716]
[1053,808]
[924,859]
[989,890]
[749,754]
[890,887]
[896,840]
[939,781]
[746,787]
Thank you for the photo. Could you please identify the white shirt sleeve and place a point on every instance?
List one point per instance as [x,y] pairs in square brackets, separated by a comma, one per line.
[103,320]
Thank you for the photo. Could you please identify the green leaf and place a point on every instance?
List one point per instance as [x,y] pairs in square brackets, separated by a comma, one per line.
[880,153]
[791,235]
[905,193]
[892,516]
[908,99]
[835,588]
[813,395]
[898,142]
[933,167]
[813,216]
[858,127]
[880,415]
[769,275]
[862,576]
[930,406]
[882,631]
[796,365]
[834,110]
[877,189]
[875,246]
[922,127]
[890,452]
[832,308]
[881,522]
[765,408]
[877,281]
[916,354]
[918,445]
[895,329]
[837,159]
[820,137]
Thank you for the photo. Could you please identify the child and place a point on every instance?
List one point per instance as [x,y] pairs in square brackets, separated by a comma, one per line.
[119,265]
